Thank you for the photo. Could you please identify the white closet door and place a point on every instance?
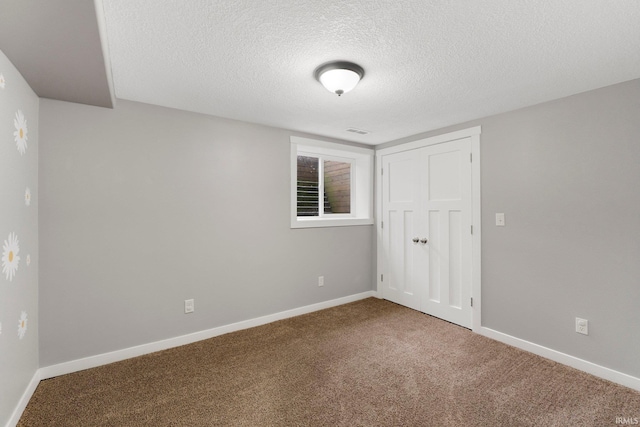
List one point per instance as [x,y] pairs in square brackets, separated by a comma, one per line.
[447,207]
[427,212]
[404,259]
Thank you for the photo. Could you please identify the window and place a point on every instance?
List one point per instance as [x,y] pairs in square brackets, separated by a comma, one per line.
[323,185]
[331,184]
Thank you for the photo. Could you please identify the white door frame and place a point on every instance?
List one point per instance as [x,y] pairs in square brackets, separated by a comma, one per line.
[476,219]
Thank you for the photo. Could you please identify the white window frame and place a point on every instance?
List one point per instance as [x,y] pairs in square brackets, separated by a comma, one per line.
[361,160]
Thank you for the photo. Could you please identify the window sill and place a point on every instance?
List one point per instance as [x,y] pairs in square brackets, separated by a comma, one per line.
[324,222]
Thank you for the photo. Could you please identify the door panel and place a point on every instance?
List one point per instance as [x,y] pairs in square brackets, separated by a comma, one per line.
[447,197]
[401,187]
[400,217]
[444,175]
[434,257]
[455,259]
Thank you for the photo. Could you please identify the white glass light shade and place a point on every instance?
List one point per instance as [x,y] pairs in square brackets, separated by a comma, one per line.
[339,80]
[339,77]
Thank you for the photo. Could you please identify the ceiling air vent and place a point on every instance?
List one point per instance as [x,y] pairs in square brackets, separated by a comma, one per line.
[358,131]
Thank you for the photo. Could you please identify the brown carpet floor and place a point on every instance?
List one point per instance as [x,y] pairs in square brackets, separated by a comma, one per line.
[369,363]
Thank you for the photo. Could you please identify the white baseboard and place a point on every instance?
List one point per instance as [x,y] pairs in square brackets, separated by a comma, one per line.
[127,353]
[565,359]
[24,400]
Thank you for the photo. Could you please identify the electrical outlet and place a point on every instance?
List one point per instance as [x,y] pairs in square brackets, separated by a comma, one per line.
[320,280]
[582,326]
[189,306]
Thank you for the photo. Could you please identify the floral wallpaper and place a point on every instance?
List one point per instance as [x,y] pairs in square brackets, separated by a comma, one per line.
[18,236]
[10,257]
[21,132]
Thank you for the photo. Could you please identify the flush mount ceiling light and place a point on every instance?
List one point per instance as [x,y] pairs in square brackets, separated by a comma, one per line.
[339,76]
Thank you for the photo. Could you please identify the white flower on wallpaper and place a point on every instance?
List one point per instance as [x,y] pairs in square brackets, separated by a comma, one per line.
[10,258]
[28,261]
[21,132]
[1,81]
[22,325]
[27,196]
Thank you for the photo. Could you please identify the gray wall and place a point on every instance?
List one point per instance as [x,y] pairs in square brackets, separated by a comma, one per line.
[143,207]
[18,292]
[567,175]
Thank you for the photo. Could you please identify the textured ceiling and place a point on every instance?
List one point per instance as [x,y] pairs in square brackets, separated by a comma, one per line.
[428,64]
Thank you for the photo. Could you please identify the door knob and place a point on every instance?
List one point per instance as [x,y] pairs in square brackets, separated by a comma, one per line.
[424,240]
[416,240]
